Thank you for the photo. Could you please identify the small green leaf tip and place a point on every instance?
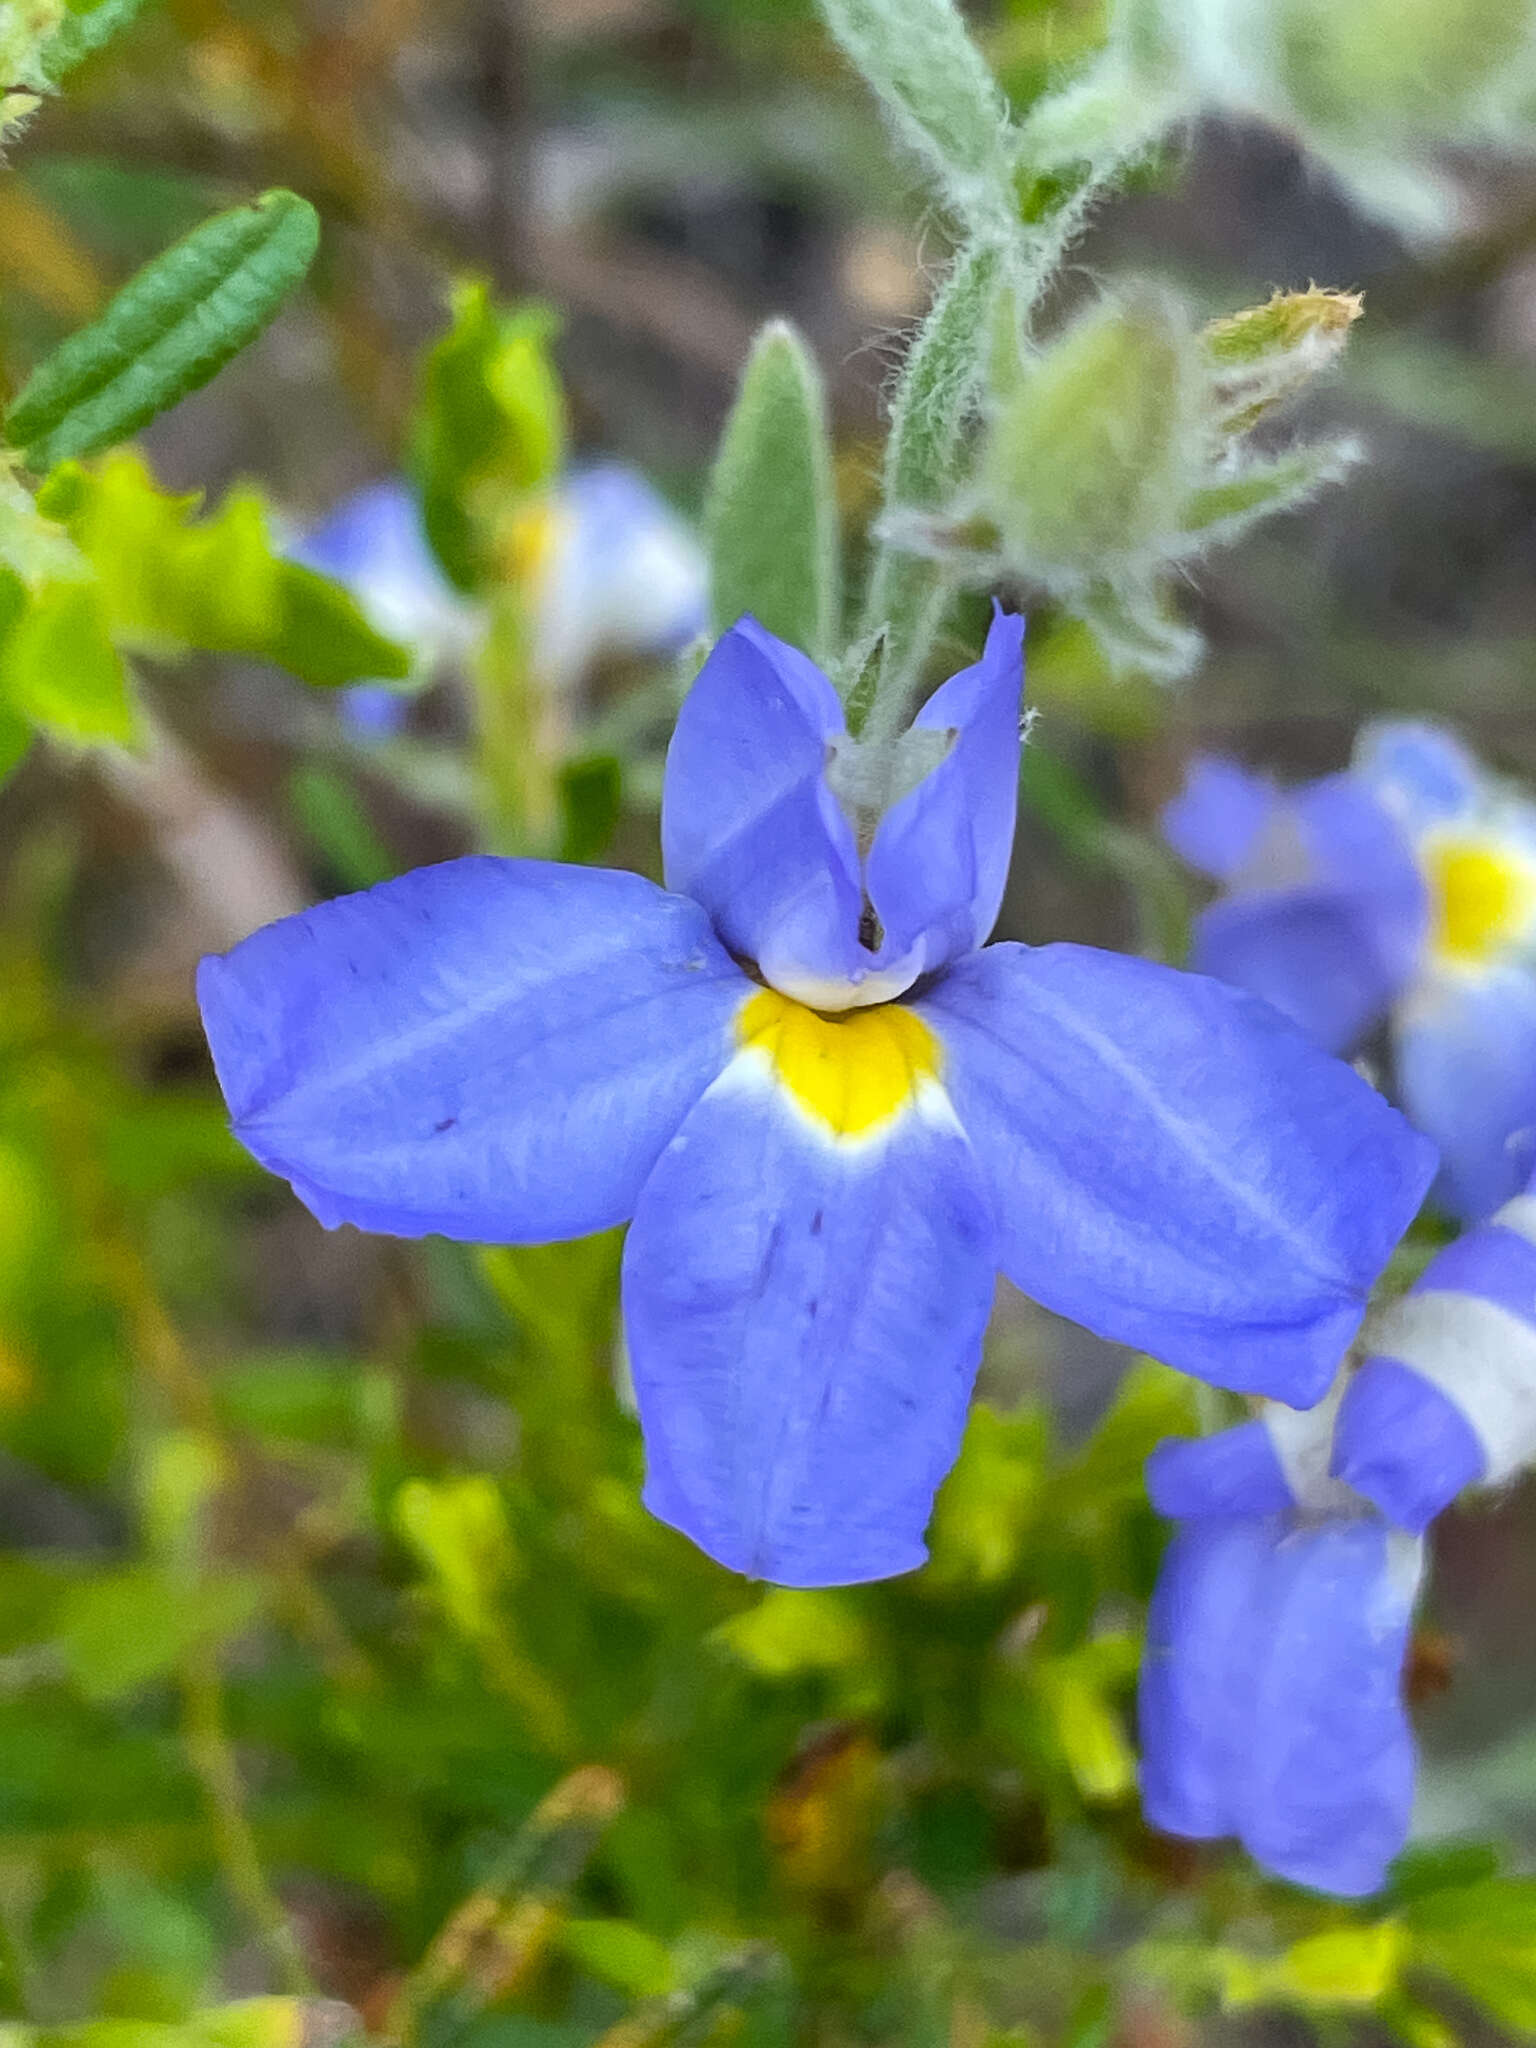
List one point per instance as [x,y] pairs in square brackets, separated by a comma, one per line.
[771,518]
[167,332]
[938,94]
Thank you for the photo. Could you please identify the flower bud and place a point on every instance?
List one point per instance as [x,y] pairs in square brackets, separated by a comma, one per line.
[26,28]
[1260,357]
[1087,458]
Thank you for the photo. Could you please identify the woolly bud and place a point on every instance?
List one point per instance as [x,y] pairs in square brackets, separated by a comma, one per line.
[1087,457]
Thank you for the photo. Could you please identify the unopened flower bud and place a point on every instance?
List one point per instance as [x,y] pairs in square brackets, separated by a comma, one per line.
[1087,458]
[1260,357]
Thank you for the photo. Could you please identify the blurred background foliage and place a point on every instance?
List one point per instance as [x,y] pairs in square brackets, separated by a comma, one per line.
[344,1683]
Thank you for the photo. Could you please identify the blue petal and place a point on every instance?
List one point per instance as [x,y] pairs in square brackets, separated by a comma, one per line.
[493,1049]
[1407,1435]
[1310,953]
[1332,926]
[1420,772]
[1234,1472]
[1218,819]
[939,860]
[749,827]
[1466,1073]
[642,565]
[622,575]
[805,1321]
[1270,1702]
[1194,1701]
[1403,1445]
[1327,1782]
[373,711]
[1174,1166]
[375,544]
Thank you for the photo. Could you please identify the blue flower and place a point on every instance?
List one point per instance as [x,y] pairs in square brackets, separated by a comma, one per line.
[828,1112]
[1271,1689]
[1403,890]
[617,573]
[375,545]
[609,568]
[1447,1398]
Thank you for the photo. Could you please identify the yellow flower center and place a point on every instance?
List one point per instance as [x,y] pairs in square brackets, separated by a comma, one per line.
[529,542]
[852,1072]
[1481,899]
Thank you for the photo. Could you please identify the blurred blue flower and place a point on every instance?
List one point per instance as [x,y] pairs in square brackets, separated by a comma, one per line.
[374,543]
[1402,890]
[610,569]
[1447,1398]
[830,1115]
[1271,1688]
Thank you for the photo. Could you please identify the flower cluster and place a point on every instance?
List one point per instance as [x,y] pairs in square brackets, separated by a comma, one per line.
[609,569]
[829,1108]
[1271,1693]
[1402,891]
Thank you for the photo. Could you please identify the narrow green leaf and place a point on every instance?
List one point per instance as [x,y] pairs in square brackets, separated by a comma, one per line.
[167,331]
[84,30]
[943,102]
[336,825]
[1253,490]
[771,517]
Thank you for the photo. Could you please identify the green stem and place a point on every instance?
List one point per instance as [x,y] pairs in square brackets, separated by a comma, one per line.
[213,1760]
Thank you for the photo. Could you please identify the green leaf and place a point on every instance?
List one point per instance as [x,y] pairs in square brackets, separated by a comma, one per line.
[168,330]
[123,1628]
[85,29]
[621,1955]
[337,826]
[458,1529]
[1253,490]
[563,1297]
[248,2023]
[318,632]
[171,581]
[59,669]
[15,743]
[1152,1403]
[591,800]
[983,1513]
[1339,1967]
[1076,1691]
[1483,1938]
[489,428]
[771,518]
[791,1631]
[943,102]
